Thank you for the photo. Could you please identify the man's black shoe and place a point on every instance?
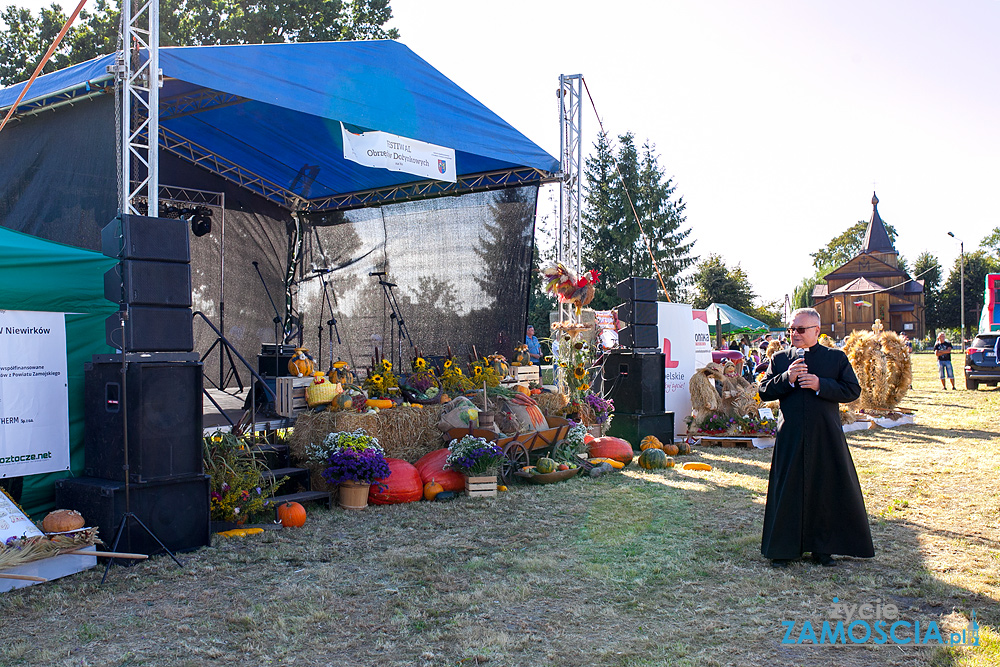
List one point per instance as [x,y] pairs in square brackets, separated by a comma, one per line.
[826,560]
[780,562]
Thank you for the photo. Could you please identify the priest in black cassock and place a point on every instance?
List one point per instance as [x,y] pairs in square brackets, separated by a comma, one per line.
[814,500]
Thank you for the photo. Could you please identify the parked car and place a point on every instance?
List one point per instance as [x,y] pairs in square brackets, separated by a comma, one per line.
[981,365]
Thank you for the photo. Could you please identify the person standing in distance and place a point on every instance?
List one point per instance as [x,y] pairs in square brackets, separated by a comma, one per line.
[814,500]
[942,349]
[534,345]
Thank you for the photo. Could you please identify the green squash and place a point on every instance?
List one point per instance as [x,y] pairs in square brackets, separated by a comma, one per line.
[545,465]
[652,459]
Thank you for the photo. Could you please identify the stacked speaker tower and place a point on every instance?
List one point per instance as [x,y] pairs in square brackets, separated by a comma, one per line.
[146,399]
[633,374]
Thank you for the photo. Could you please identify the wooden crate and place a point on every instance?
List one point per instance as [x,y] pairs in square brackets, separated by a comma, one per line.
[525,373]
[481,487]
[291,393]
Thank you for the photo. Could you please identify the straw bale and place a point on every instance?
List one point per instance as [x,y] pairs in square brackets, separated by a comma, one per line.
[404,433]
[551,403]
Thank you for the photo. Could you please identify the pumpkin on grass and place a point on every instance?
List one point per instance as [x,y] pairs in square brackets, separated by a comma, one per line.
[403,485]
[671,449]
[683,448]
[611,448]
[431,467]
[431,489]
[650,442]
[291,515]
[652,459]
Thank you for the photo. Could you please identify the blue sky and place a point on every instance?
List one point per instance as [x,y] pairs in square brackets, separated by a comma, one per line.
[775,118]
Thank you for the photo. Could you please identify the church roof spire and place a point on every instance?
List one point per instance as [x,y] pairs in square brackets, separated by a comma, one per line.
[876,236]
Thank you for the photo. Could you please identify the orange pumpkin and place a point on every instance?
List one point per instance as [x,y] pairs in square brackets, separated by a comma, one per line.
[291,515]
[403,485]
[431,468]
[671,449]
[431,489]
[611,448]
[650,442]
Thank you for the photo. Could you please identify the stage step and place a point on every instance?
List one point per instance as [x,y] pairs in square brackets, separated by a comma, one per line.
[303,497]
[298,478]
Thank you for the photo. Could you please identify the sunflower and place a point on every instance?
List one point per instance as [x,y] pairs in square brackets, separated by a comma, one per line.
[458,370]
[376,379]
[447,364]
[579,372]
[477,371]
[584,387]
[420,364]
[578,344]
[386,366]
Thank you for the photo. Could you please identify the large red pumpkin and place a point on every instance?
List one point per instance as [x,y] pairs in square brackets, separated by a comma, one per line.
[431,466]
[611,448]
[403,485]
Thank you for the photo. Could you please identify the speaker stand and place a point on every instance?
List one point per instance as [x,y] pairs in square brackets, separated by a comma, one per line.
[123,526]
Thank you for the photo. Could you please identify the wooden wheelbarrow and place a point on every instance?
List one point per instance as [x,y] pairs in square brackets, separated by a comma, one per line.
[519,449]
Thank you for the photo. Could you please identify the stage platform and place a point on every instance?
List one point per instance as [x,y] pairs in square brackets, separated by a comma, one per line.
[232,401]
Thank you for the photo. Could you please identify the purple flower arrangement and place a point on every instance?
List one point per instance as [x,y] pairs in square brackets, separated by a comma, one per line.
[473,456]
[601,407]
[365,467]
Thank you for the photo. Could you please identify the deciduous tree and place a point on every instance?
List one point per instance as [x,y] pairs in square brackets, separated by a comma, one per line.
[188,23]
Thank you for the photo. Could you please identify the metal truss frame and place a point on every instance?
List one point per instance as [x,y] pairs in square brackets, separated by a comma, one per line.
[140,104]
[569,247]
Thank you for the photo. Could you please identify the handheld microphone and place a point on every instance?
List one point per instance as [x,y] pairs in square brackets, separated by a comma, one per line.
[254,263]
[377,273]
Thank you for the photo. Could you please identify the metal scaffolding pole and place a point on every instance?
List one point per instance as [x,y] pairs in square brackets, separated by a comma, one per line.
[569,247]
[139,123]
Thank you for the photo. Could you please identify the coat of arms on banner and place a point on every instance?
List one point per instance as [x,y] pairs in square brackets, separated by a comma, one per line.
[442,166]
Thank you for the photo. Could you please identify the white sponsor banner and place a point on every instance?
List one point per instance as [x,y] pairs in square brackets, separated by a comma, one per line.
[674,327]
[702,339]
[395,153]
[34,398]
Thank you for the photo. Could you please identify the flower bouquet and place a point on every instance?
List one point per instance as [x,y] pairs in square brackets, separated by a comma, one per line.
[473,456]
[453,380]
[350,458]
[421,386]
[239,490]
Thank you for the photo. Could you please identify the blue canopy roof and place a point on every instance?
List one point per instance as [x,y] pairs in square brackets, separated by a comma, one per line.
[268,117]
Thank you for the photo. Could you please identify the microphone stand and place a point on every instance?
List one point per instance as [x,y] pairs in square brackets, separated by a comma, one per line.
[396,315]
[331,323]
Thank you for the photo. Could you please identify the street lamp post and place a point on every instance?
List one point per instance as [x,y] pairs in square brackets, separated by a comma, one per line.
[961,287]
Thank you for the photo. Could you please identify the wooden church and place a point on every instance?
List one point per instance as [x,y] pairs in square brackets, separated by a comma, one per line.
[871,286]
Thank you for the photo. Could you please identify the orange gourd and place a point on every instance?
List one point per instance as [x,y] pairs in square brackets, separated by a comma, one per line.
[611,448]
[697,466]
[431,489]
[431,468]
[650,442]
[291,515]
[671,449]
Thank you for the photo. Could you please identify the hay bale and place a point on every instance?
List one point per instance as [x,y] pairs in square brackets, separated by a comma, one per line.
[550,403]
[404,433]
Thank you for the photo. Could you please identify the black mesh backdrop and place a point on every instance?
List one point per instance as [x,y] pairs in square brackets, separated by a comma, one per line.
[461,266]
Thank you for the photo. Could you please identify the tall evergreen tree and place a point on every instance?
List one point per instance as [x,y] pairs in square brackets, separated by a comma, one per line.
[612,241]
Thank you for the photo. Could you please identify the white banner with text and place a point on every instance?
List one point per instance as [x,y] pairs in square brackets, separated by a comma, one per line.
[382,150]
[34,395]
[676,333]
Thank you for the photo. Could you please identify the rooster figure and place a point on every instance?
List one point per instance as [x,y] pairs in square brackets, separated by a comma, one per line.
[568,287]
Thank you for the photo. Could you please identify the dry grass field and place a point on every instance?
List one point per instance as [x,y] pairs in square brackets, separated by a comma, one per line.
[630,569]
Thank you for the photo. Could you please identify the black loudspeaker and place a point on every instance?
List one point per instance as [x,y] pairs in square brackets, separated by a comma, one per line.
[139,237]
[152,329]
[266,362]
[637,289]
[176,511]
[152,282]
[638,336]
[634,428]
[635,382]
[164,406]
[638,312]
[149,283]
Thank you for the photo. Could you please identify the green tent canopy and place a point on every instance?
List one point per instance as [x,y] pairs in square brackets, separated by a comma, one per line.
[733,321]
[40,275]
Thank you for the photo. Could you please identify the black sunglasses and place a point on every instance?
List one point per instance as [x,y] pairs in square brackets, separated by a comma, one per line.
[802,330]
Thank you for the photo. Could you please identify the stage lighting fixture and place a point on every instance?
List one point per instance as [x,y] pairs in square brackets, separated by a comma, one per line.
[201,221]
